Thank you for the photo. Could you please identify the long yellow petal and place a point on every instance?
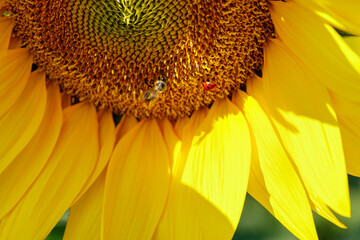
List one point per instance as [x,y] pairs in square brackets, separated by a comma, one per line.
[320,48]
[14,74]
[302,112]
[282,187]
[20,123]
[172,141]
[84,220]
[107,141]
[6,26]
[67,170]
[186,132]
[179,126]
[350,133]
[126,123]
[348,113]
[213,182]
[24,169]
[137,183]
[320,208]
[341,14]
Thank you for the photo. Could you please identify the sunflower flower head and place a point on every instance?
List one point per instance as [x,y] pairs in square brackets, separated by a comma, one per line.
[113,52]
[217,99]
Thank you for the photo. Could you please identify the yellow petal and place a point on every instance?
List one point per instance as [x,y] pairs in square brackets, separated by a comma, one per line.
[320,208]
[302,112]
[276,181]
[172,141]
[67,170]
[188,129]
[84,220]
[206,200]
[341,14]
[24,169]
[354,43]
[348,113]
[137,183]
[20,123]
[179,126]
[127,122]
[350,133]
[14,74]
[107,141]
[319,47]
[6,26]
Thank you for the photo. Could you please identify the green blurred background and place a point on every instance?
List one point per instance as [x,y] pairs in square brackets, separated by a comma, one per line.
[258,224]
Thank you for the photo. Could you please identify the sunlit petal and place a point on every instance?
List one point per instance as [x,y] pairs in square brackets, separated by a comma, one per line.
[341,14]
[172,141]
[276,180]
[214,178]
[319,47]
[306,123]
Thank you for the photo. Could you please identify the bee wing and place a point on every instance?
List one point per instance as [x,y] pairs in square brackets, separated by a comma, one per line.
[152,96]
[146,96]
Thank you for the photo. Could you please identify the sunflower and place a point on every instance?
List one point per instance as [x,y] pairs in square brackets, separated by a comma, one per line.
[216,99]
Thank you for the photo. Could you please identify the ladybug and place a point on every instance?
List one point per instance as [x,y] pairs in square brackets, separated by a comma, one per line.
[209,85]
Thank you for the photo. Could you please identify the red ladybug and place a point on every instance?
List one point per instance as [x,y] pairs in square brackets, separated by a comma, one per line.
[209,85]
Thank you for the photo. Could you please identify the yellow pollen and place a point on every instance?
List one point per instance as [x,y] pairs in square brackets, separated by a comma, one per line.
[115,53]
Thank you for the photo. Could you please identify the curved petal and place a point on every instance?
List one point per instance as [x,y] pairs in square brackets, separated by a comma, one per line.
[84,221]
[350,133]
[24,169]
[273,179]
[67,170]
[6,26]
[341,14]
[319,47]
[213,182]
[348,113]
[20,123]
[107,141]
[137,184]
[14,74]
[172,141]
[180,125]
[187,134]
[302,112]
[126,123]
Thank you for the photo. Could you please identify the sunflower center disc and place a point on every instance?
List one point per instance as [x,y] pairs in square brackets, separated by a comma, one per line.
[149,58]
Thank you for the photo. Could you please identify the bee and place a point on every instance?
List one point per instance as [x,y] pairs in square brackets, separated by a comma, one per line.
[157,87]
